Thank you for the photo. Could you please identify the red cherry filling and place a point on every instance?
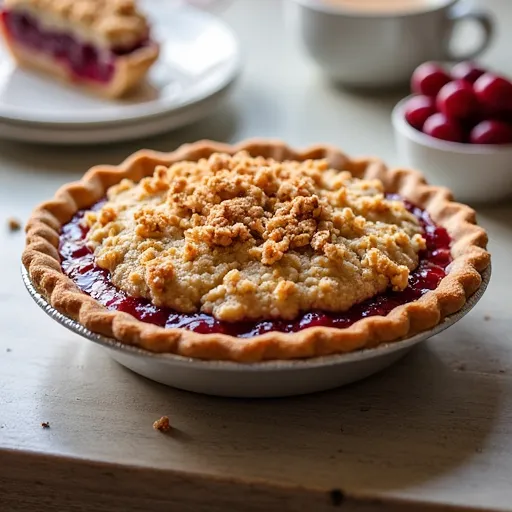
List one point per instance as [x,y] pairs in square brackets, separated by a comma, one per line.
[85,61]
[78,263]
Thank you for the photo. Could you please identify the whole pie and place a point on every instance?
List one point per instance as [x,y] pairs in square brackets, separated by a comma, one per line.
[101,45]
[254,252]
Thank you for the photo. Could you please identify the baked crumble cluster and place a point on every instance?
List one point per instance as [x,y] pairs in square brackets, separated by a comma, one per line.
[109,22]
[246,238]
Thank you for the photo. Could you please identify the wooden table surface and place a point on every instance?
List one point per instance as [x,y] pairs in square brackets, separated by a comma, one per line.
[432,432]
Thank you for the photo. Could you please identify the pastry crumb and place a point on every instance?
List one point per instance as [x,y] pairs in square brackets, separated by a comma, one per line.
[45,424]
[487,317]
[14,224]
[162,424]
[8,349]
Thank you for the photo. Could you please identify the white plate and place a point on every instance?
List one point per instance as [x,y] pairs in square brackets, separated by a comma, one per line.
[199,57]
[266,379]
[104,134]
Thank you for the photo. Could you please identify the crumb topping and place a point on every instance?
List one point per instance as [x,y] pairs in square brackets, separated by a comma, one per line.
[114,22]
[252,238]
[162,424]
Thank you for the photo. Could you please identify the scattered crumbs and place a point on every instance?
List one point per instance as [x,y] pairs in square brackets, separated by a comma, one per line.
[364,409]
[337,497]
[162,424]
[487,317]
[14,224]
[45,424]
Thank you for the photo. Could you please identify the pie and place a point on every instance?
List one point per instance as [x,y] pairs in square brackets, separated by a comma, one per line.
[103,46]
[254,252]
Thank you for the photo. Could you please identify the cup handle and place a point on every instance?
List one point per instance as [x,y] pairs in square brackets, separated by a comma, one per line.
[462,12]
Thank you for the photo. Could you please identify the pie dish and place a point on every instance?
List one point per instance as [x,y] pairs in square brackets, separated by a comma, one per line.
[103,46]
[254,252]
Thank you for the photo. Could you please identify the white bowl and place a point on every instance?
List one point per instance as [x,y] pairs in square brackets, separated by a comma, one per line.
[473,172]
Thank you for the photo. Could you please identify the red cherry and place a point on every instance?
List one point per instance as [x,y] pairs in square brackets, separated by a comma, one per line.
[428,78]
[457,100]
[441,127]
[467,71]
[418,109]
[494,93]
[491,132]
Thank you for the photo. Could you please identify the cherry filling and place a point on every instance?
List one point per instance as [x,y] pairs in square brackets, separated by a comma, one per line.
[85,61]
[78,263]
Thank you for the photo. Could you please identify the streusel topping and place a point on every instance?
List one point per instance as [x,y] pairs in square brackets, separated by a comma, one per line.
[252,238]
[113,22]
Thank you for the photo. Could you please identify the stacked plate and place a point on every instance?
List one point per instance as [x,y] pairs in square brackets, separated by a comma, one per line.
[199,62]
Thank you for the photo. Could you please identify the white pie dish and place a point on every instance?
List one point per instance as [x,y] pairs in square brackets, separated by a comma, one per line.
[473,172]
[264,379]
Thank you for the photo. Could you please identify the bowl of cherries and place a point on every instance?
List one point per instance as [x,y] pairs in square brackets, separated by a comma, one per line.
[457,128]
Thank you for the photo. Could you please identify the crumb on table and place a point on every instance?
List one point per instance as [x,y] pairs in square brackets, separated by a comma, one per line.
[45,424]
[14,224]
[162,424]
[487,317]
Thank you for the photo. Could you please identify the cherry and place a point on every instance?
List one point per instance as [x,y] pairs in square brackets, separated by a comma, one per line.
[428,78]
[441,127]
[457,100]
[491,132]
[418,109]
[467,71]
[494,93]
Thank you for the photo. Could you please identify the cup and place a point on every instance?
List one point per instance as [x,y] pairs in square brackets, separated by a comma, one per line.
[370,43]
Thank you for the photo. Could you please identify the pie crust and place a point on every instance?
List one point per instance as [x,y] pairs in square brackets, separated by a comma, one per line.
[469,259]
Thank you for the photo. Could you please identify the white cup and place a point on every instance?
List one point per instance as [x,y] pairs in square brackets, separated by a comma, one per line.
[361,47]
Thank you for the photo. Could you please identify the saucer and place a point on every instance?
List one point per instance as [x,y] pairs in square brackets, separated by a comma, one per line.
[199,58]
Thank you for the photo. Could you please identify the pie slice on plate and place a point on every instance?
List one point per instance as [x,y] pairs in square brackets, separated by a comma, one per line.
[103,46]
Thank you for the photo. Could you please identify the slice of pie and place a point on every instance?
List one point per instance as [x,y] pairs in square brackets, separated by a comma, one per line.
[254,252]
[101,45]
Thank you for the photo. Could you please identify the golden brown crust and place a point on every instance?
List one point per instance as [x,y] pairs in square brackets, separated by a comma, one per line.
[469,253]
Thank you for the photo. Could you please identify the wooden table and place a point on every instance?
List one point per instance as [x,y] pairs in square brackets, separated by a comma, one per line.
[432,432]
